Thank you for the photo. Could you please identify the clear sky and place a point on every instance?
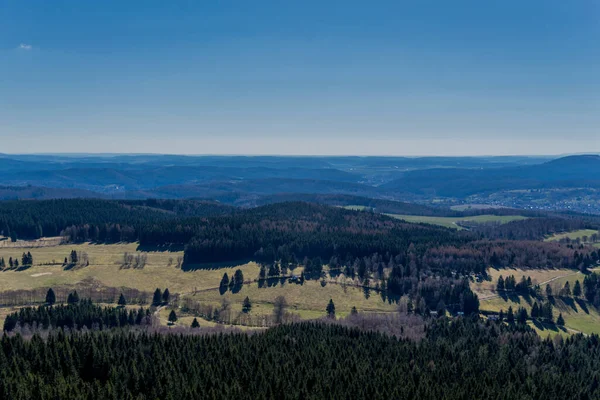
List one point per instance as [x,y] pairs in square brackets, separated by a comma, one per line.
[414,77]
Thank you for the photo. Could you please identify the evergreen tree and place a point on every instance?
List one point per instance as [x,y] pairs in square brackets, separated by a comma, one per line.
[548,291]
[172,317]
[195,323]
[547,312]
[165,296]
[577,289]
[354,311]
[74,257]
[535,311]
[521,315]
[224,285]
[330,309]
[50,297]
[238,278]
[510,317]
[560,320]
[122,301]
[566,291]
[157,298]
[73,298]
[247,305]
[500,286]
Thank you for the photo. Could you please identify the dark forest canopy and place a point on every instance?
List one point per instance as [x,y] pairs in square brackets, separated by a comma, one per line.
[457,359]
[213,232]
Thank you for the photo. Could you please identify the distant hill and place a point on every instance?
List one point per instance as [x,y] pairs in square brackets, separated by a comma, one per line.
[45,193]
[567,172]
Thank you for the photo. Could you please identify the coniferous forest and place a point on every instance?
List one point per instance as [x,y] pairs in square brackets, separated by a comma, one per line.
[465,358]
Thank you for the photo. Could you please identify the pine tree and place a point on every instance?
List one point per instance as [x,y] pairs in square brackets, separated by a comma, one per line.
[500,286]
[157,298]
[224,285]
[74,257]
[50,297]
[73,298]
[247,305]
[172,317]
[560,320]
[521,315]
[195,323]
[122,301]
[548,291]
[510,317]
[238,278]
[165,296]
[330,309]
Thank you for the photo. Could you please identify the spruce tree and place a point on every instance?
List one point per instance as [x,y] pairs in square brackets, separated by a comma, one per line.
[330,309]
[247,305]
[224,285]
[195,323]
[510,317]
[172,317]
[157,298]
[122,301]
[500,285]
[560,320]
[50,297]
[354,311]
[165,296]
[73,298]
[521,315]
[577,289]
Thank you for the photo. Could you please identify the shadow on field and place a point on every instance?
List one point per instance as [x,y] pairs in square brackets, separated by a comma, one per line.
[160,249]
[213,266]
[548,327]
[569,302]
[582,305]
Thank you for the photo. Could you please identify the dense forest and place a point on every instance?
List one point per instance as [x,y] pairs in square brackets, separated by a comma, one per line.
[455,360]
[77,315]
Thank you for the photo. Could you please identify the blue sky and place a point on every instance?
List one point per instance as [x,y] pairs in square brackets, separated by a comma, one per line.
[300,77]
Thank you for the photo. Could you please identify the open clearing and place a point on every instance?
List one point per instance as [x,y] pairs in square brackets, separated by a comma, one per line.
[572,235]
[161,271]
[579,315]
[309,300]
[451,222]
[105,267]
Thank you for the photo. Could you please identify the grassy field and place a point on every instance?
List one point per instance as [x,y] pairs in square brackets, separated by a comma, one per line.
[572,235]
[538,276]
[451,222]
[306,301]
[579,315]
[105,267]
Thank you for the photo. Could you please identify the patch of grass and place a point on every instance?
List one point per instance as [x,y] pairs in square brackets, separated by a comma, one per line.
[451,222]
[538,276]
[579,315]
[105,267]
[308,300]
[572,235]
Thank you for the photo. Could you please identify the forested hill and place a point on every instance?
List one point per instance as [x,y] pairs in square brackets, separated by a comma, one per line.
[104,220]
[457,359]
